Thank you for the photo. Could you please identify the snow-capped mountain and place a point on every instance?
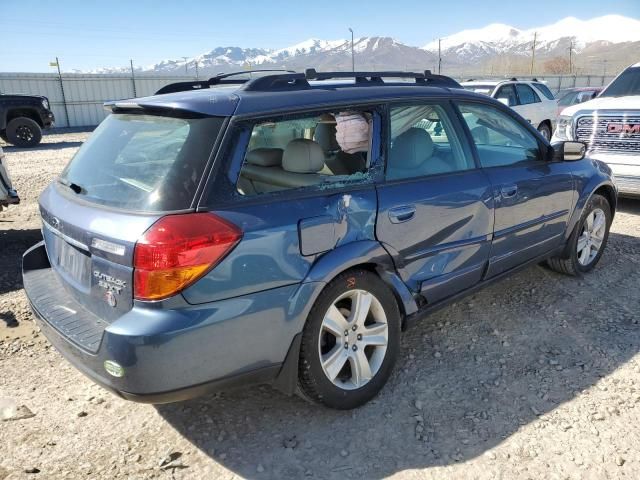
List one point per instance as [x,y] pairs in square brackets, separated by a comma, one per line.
[611,38]
[500,39]
[371,52]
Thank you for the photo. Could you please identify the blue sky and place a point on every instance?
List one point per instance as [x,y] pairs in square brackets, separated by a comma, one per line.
[89,34]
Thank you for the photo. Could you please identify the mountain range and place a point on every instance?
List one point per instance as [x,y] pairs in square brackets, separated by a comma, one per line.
[597,45]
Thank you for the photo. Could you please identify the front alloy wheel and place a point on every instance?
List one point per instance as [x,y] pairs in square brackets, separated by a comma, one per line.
[350,341]
[588,240]
[592,236]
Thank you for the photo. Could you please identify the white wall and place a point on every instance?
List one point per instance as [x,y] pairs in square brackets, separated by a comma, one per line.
[85,93]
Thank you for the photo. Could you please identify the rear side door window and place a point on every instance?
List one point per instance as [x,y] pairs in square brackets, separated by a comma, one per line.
[508,93]
[526,94]
[500,139]
[313,151]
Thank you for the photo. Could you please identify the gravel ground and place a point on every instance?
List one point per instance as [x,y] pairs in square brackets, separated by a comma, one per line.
[535,377]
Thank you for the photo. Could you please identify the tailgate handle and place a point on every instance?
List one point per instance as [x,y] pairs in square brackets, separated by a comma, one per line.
[402,214]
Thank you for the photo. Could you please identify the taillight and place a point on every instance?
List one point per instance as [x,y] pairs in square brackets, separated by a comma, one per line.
[177,250]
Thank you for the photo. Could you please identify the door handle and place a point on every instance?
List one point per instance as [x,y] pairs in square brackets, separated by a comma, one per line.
[402,214]
[509,191]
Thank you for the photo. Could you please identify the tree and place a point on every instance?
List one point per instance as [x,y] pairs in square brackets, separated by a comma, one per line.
[556,65]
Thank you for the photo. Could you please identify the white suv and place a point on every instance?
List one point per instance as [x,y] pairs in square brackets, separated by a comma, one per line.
[531,99]
[610,127]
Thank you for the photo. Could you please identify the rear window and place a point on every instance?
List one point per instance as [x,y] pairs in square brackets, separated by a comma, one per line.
[545,90]
[141,162]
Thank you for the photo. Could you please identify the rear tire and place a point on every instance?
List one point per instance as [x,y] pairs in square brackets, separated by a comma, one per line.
[588,240]
[23,132]
[350,342]
[545,131]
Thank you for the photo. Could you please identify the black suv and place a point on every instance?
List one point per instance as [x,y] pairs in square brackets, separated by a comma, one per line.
[22,118]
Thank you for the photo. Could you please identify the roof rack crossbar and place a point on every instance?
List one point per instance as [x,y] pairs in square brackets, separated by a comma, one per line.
[286,81]
[219,79]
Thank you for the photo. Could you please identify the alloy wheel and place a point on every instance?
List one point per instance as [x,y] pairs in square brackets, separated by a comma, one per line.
[353,339]
[592,236]
[24,133]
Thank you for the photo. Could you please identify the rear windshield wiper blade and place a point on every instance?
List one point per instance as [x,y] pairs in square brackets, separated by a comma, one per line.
[73,186]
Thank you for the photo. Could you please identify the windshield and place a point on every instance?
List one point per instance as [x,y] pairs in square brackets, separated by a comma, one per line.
[486,89]
[143,162]
[567,99]
[626,84]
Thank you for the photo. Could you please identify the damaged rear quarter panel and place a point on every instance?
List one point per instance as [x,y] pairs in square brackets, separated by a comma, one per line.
[284,237]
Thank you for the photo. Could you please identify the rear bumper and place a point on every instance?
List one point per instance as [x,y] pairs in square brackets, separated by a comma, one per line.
[167,354]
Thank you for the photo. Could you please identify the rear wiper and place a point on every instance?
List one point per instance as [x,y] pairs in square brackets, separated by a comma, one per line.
[73,186]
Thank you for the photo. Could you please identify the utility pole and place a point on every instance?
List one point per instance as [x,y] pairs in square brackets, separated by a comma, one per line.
[185,64]
[353,57]
[439,56]
[196,62]
[133,79]
[64,100]
[533,51]
[570,58]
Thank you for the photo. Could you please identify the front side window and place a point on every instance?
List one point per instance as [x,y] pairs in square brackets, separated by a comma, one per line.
[507,93]
[500,139]
[526,94]
[424,142]
[327,150]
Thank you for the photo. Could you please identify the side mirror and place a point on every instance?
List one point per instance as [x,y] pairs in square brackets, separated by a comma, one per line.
[568,151]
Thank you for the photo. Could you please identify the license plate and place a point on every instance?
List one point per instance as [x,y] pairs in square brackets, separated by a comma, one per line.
[72,261]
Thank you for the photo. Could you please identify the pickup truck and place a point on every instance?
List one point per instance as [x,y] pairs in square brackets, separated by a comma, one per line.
[22,118]
[610,127]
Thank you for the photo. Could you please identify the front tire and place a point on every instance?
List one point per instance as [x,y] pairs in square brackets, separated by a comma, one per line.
[23,132]
[588,240]
[350,342]
[545,131]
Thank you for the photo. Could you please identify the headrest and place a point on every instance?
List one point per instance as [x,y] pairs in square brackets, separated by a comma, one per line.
[412,148]
[303,156]
[265,157]
[325,136]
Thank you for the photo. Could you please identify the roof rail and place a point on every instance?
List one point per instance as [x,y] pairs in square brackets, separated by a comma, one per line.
[219,79]
[298,81]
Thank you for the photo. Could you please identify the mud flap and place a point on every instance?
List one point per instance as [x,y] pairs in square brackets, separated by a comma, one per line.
[287,379]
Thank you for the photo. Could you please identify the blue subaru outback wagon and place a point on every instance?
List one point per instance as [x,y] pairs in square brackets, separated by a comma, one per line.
[285,228]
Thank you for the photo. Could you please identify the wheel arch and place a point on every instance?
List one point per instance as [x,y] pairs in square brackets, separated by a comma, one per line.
[23,112]
[366,254]
[607,190]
